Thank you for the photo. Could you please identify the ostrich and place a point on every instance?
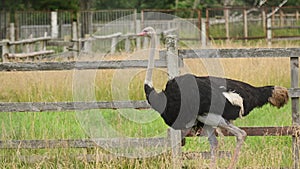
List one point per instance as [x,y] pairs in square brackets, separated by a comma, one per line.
[189,102]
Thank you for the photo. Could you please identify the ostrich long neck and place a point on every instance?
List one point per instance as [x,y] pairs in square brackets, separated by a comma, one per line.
[148,79]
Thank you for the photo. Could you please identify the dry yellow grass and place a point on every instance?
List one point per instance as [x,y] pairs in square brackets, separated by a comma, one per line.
[59,85]
[256,71]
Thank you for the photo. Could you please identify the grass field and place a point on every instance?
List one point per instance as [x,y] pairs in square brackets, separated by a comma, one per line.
[258,152]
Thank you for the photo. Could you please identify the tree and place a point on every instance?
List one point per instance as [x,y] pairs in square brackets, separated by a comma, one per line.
[12,5]
[54,4]
[137,4]
[86,4]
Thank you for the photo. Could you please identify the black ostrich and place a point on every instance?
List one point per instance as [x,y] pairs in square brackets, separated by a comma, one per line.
[190,102]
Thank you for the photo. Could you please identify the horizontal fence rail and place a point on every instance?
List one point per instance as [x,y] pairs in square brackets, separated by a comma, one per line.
[239,53]
[83,143]
[160,63]
[134,142]
[78,65]
[69,106]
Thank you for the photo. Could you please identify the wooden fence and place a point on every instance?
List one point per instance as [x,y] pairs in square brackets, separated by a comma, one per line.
[170,59]
[242,23]
[248,24]
[31,48]
[36,48]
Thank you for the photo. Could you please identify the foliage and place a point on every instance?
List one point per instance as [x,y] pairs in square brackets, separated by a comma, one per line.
[39,5]
[125,4]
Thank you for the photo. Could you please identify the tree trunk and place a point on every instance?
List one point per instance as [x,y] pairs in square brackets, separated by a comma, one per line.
[85,4]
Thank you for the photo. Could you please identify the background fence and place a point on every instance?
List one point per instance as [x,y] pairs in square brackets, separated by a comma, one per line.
[251,23]
[233,23]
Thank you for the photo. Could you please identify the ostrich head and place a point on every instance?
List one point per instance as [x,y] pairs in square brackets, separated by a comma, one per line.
[279,96]
[148,31]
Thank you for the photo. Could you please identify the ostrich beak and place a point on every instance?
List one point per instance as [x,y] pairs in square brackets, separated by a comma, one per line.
[142,33]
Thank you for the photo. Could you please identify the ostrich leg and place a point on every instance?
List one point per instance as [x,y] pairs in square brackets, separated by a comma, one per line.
[215,120]
[210,131]
[240,135]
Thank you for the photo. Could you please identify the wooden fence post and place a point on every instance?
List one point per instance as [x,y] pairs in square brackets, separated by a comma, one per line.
[5,50]
[114,42]
[226,15]
[207,26]
[245,24]
[138,39]
[281,18]
[76,46]
[294,63]
[173,71]
[203,32]
[145,42]
[127,43]
[269,31]
[43,44]
[87,44]
[263,19]
[12,37]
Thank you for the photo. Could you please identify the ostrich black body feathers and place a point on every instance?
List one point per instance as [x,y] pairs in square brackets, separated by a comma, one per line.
[186,97]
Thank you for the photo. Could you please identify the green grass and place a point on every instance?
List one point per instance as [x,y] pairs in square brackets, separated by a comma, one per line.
[273,152]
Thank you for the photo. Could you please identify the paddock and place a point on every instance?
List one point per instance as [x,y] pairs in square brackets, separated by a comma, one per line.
[172,60]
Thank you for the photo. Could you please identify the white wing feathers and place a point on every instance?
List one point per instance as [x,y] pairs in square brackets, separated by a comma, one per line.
[235,99]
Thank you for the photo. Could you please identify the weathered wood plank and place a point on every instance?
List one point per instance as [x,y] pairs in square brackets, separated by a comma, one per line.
[268,131]
[84,143]
[32,40]
[132,142]
[106,36]
[79,65]
[294,65]
[294,92]
[262,131]
[29,159]
[25,55]
[69,106]
[238,53]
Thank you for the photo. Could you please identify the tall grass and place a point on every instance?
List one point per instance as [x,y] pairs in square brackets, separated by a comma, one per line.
[52,86]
